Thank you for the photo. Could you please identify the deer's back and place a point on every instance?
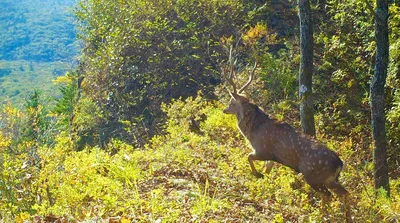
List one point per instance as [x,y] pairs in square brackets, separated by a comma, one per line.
[279,141]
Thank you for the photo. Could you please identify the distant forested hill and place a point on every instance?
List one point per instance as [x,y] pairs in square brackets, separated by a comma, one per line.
[37,44]
[37,30]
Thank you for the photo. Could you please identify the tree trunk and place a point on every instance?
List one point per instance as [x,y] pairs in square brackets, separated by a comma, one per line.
[306,68]
[378,96]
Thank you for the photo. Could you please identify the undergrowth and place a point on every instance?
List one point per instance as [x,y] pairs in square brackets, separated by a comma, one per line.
[182,176]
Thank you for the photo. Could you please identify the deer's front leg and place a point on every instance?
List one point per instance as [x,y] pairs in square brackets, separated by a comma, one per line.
[251,158]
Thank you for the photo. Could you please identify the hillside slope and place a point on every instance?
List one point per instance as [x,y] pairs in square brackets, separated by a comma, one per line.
[185,176]
[19,78]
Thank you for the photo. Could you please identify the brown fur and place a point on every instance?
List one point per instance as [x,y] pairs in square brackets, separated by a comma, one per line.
[280,142]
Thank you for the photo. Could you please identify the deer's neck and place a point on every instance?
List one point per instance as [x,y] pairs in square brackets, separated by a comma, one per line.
[249,121]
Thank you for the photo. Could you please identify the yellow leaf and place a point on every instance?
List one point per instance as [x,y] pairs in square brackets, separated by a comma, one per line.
[125,220]
[66,79]
[22,217]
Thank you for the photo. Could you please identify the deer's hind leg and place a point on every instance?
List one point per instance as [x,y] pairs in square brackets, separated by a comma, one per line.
[268,166]
[343,196]
[332,182]
[337,188]
[317,185]
[321,188]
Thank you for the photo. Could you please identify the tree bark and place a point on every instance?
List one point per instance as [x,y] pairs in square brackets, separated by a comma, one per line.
[306,68]
[381,172]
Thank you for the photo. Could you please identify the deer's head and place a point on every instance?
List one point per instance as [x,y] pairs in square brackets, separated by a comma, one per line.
[238,103]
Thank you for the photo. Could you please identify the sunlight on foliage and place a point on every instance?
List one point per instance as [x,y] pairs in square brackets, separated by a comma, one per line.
[185,175]
[138,133]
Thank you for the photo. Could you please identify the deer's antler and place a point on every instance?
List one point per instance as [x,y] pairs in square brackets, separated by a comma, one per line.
[251,77]
[231,68]
[229,72]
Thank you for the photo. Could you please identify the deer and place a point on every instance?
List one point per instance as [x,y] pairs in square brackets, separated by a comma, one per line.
[277,141]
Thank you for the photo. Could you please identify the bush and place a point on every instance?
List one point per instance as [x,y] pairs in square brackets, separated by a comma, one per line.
[181,176]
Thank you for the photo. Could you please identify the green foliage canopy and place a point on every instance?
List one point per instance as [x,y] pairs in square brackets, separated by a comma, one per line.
[139,54]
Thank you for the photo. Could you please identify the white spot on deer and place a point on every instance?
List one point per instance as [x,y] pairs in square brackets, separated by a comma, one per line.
[303,89]
[320,161]
[326,162]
